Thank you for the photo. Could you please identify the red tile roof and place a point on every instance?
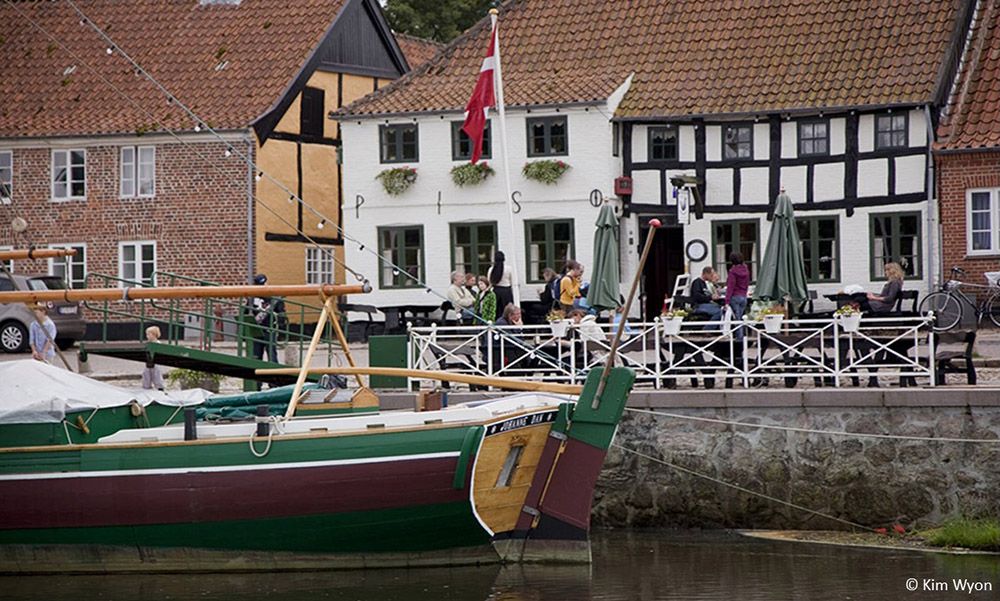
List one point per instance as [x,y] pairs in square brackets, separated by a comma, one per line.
[691,58]
[972,117]
[229,63]
[417,50]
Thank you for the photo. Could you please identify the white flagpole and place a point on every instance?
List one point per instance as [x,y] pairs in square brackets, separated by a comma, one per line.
[511,252]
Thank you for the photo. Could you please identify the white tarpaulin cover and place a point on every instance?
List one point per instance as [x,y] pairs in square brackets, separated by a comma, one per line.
[35,392]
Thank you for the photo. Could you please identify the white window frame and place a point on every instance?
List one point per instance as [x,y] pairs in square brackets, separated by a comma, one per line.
[132,174]
[317,258]
[69,173]
[73,259]
[994,249]
[121,259]
[9,262]
[5,200]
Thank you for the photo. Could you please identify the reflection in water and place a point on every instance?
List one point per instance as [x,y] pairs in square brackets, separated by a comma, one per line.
[663,565]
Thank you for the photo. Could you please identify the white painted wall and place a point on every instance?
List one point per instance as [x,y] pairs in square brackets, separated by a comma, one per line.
[718,187]
[713,142]
[910,174]
[754,183]
[646,186]
[687,143]
[828,182]
[838,136]
[761,141]
[793,180]
[873,177]
[591,167]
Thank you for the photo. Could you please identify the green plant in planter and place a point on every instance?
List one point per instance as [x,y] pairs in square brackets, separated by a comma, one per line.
[470,174]
[547,171]
[190,378]
[398,180]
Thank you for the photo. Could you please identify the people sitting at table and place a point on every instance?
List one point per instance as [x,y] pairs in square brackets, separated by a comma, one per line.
[737,288]
[486,303]
[569,286]
[884,301]
[461,299]
[509,345]
[471,285]
[704,296]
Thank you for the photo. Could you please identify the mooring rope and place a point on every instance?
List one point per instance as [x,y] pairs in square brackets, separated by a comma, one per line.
[811,430]
[742,489]
[274,423]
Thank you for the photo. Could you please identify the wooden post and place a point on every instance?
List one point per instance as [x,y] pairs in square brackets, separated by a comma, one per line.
[328,308]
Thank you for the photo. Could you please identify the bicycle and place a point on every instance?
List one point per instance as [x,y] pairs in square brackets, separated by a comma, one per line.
[948,303]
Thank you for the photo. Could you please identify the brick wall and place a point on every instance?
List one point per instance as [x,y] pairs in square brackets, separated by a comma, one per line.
[957,173]
[197,216]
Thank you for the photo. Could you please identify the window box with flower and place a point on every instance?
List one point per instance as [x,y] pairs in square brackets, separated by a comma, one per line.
[849,318]
[397,180]
[546,171]
[672,321]
[470,174]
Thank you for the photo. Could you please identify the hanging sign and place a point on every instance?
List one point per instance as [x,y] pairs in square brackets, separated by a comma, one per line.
[684,205]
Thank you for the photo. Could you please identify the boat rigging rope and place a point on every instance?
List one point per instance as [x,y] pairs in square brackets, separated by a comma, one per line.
[814,431]
[742,489]
[274,423]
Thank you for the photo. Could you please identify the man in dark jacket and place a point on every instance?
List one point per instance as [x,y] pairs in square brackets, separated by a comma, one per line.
[703,296]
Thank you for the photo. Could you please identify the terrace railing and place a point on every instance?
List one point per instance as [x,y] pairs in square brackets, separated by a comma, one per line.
[817,349]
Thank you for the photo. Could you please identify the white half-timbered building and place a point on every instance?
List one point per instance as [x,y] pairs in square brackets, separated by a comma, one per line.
[713,106]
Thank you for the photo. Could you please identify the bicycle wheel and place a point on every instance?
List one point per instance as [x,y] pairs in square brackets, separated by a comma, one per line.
[947,310]
[992,309]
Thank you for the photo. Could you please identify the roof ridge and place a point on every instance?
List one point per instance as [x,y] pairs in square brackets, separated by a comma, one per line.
[447,51]
[409,36]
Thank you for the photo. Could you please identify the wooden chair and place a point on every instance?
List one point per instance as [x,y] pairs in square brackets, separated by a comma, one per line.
[906,295]
[944,360]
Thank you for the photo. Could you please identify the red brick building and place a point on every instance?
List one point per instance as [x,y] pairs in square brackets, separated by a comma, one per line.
[95,157]
[967,153]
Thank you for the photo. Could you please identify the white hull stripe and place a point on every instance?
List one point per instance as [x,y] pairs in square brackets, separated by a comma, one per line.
[225,468]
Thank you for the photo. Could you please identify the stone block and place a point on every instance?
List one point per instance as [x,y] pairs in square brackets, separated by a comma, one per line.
[834,397]
[764,398]
[926,397]
[672,399]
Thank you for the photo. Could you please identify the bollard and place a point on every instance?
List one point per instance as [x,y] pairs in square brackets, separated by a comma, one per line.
[82,363]
[190,424]
[263,424]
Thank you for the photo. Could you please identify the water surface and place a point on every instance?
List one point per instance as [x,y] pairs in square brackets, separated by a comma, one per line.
[654,565]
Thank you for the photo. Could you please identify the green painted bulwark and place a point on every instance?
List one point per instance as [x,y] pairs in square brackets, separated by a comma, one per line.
[470,445]
[596,427]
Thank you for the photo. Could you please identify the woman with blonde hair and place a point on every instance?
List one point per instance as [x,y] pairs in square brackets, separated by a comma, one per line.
[884,301]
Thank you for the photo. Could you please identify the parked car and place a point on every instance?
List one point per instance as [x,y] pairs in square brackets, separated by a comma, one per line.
[15,318]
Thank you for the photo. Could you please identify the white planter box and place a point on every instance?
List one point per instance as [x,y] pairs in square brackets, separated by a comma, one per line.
[672,326]
[772,323]
[850,323]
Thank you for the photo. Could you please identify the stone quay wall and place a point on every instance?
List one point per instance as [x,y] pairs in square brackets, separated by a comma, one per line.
[874,482]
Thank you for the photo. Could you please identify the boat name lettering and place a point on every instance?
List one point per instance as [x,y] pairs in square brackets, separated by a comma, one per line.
[522,422]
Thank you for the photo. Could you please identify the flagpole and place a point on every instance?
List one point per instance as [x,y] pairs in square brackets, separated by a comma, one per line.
[498,83]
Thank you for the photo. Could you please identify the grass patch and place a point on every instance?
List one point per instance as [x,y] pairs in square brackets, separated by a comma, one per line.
[983,535]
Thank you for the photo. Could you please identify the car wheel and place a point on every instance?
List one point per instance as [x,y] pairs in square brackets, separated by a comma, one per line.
[13,337]
[64,343]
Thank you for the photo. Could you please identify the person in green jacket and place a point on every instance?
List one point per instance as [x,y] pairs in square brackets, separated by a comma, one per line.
[486,303]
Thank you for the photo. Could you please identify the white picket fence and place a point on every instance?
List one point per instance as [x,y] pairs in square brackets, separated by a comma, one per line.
[817,349]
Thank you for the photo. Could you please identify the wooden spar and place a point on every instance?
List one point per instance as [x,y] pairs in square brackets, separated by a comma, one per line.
[444,376]
[36,253]
[610,360]
[119,294]
[328,308]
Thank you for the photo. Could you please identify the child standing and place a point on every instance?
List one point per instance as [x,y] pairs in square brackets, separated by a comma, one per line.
[151,376]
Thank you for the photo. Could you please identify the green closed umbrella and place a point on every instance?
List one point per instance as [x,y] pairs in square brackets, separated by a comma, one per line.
[782,272]
[605,276]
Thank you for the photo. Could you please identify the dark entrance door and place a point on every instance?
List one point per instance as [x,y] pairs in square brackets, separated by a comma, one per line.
[665,263]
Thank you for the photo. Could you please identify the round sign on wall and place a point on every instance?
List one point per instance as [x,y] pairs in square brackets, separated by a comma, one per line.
[696,250]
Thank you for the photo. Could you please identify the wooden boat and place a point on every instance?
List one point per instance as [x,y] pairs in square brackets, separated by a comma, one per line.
[508,479]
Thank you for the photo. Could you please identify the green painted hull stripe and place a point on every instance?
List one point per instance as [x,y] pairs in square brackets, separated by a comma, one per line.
[419,528]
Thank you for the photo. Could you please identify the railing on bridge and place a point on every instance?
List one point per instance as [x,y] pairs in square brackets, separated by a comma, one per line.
[207,322]
[817,349]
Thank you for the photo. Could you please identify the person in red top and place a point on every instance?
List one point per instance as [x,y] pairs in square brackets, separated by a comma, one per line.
[737,287]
